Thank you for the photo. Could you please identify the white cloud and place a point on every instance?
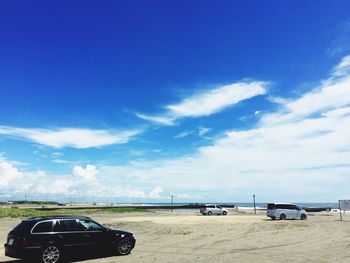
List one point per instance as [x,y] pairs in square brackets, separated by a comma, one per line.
[80,185]
[8,173]
[155,193]
[88,173]
[213,101]
[301,152]
[343,68]
[333,93]
[102,191]
[186,197]
[208,102]
[56,187]
[69,137]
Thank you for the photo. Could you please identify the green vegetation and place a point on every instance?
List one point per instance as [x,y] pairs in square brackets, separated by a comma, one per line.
[25,213]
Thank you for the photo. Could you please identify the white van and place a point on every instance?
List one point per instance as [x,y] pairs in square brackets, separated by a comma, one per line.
[213,210]
[285,211]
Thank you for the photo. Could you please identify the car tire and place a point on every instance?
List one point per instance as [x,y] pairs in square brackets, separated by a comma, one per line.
[124,246]
[282,216]
[210,213]
[224,213]
[51,254]
[273,217]
[303,217]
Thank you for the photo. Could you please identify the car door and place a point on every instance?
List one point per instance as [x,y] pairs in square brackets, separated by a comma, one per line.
[298,213]
[99,238]
[219,210]
[292,211]
[41,233]
[71,237]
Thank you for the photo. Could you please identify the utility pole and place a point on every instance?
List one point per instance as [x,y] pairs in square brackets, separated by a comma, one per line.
[254,204]
[172,202]
[341,217]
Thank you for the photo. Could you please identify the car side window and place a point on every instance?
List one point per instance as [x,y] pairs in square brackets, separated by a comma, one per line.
[90,225]
[43,227]
[283,206]
[68,226]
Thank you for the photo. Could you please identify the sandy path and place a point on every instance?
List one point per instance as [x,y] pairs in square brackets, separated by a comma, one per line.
[190,237]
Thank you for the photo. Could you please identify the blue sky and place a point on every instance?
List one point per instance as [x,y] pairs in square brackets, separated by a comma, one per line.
[132,101]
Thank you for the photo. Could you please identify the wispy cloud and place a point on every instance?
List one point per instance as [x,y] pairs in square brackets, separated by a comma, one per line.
[69,137]
[213,101]
[183,134]
[202,131]
[60,161]
[208,102]
[162,120]
[341,44]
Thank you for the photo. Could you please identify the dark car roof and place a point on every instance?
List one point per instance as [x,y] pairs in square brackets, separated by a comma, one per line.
[55,217]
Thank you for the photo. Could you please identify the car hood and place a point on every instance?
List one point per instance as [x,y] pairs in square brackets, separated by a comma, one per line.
[120,231]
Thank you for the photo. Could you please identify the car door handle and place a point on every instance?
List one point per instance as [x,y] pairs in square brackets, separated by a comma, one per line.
[60,236]
[86,235]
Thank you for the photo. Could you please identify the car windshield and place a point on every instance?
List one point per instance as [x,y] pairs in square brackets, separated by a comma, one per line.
[270,206]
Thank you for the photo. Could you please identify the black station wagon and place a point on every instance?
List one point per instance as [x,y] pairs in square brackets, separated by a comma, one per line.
[58,238]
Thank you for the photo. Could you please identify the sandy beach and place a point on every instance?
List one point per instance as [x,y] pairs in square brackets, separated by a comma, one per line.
[163,236]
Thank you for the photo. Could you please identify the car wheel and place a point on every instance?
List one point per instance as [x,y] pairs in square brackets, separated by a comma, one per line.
[124,246]
[303,217]
[224,213]
[51,254]
[209,213]
[273,217]
[282,216]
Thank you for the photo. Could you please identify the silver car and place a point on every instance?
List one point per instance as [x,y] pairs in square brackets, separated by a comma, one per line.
[285,211]
[213,210]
